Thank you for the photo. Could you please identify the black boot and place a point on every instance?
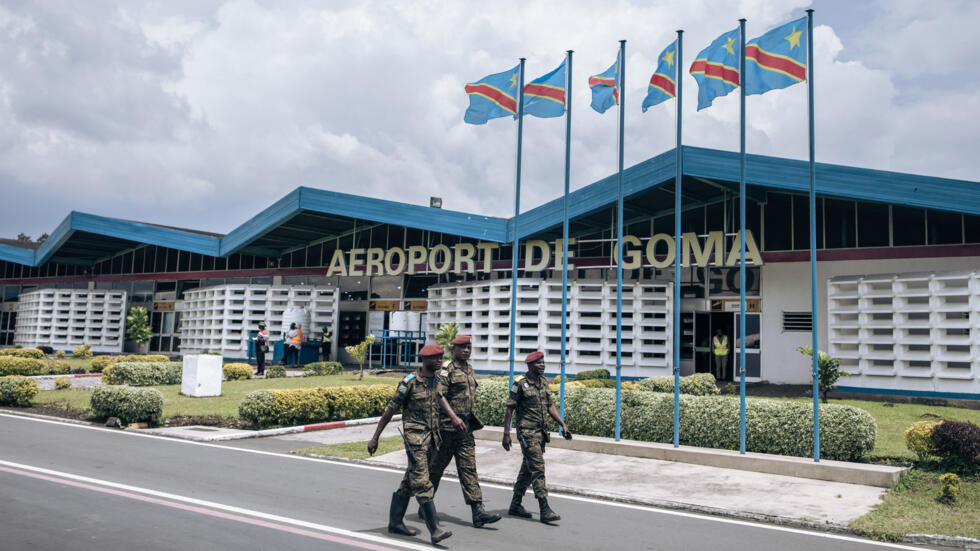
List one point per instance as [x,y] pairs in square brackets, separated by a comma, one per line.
[516,509]
[547,515]
[396,513]
[481,516]
[436,533]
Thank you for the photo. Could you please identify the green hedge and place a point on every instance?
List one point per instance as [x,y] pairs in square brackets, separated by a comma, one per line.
[129,404]
[778,427]
[275,371]
[57,367]
[101,362]
[12,365]
[17,391]
[314,405]
[143,373]
[236,370]
[316,369]
[22,353]
[592,374]
[699,384]
[83,351]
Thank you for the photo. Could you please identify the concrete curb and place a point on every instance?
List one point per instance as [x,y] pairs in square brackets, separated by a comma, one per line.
[49,417]
[945,541]
[168,431]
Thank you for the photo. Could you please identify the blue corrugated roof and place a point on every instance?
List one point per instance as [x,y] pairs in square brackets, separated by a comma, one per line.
[768,172]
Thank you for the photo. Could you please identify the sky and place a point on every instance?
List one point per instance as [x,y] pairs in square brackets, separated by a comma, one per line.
[201,113]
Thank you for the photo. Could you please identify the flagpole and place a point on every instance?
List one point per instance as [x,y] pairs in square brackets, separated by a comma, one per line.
[517,213]
[619,240]
[678,176]
[741,235]
[564,228]
[813,242]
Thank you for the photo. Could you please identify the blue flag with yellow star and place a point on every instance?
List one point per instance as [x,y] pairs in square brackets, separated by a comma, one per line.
[545,95]
[716,68]
[776,59]
[493,96]
[605,88]
[662,82]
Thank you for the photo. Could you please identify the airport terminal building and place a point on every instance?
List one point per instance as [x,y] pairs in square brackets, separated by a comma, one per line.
[898,276]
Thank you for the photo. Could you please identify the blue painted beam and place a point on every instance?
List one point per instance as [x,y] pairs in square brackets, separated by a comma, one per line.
[260,224]
[16,255]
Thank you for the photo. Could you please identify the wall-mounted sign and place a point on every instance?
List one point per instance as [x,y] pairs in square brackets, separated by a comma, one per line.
[383,305]
[752,305]
[416,305]
[163,307]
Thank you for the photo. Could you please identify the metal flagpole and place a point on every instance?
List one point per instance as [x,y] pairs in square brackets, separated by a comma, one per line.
[813,241]
[619,232]
[564,228]
[517,212]
[678,175]
[741,235]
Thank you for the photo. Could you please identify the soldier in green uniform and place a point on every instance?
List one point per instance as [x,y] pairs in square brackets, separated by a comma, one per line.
[530,397]
[461,394]
[420,396]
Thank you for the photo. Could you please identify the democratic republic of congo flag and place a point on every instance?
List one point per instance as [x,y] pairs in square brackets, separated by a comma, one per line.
[661,86]
[605,88]
[716,68]
[545,96]
[493,96]
[776,59]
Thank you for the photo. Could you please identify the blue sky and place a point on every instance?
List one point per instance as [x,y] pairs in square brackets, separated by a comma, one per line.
[202,113]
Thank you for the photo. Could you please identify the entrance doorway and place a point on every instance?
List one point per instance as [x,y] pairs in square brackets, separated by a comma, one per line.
[705,325]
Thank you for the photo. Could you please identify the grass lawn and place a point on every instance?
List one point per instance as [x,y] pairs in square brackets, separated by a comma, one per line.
[356,450]
[226,405]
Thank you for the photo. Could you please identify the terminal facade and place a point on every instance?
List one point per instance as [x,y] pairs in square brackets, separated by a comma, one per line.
[898,275]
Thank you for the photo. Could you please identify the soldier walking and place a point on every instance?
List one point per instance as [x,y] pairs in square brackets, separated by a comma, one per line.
[530,397]
[461,394]
[420,396]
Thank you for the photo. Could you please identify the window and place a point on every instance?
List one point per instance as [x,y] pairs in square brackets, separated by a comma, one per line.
[908,226]
[779,210]
[872,225]
[797,322]
[944,228]
[839,215]
[801,222]
[692,220]
[971,226]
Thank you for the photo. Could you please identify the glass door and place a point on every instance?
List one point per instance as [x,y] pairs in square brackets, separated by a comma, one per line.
[753,338]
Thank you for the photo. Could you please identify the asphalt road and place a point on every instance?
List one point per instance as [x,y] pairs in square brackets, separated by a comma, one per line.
[74,487]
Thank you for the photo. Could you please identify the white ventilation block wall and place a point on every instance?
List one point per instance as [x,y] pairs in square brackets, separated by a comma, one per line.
[482,309]
[221,318]
[907,332]
[66,318]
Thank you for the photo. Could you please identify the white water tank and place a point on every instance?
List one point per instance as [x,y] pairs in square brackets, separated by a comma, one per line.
[404,321]
[298,315]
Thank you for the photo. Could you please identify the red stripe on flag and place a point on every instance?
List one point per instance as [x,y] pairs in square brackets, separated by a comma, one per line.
[662,82]
[494,95]
[603,81]
[766,60]
[716,70]
[548,92]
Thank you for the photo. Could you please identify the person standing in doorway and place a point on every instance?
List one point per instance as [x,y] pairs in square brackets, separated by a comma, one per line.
[261,347]
[719,345]
[325,342]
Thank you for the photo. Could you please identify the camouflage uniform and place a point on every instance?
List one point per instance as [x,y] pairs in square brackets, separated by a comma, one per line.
[419,401]
[531,402]
[461,394]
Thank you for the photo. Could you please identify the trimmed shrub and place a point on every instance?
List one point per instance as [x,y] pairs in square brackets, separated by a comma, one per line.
[99,363]
[22,353]
[57,367]
[918,439]
[592,374]
[143,373]
[957,442]
[12,365]
[83,351]
[316,369]
[62,383]
[129,404]
[777,427]
[276,371]
[236,371]
[699,384]
[17,391]
[60,355]
[950,489]
[311,405]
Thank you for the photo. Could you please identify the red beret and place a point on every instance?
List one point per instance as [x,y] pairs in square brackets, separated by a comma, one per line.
[432,350]
[461,339]
[534,356]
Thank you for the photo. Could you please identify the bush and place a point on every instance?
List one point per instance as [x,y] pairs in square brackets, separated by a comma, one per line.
[236,371]
[828,370]
[316,369]
[12,365]
[57,367]
[143,373]
[22,353]
[918,439]
[957,443]
[312,405]
[699,384]
[950,488]
[83,351]
[60,355]
[778,427]
[592,374]
[17,391]
[99,363]
[130,405]
[62,383]
[275,371]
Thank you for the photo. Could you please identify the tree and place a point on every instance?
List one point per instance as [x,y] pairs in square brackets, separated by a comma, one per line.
[359,352]
[138,325]
[23,237]
[44,237]
[447,332]
[828,370]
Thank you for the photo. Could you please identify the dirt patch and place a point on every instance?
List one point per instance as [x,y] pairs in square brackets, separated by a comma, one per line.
[60,409]
[208,421]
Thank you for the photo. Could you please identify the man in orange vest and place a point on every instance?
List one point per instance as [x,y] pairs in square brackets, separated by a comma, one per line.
[294,342]
[719,345]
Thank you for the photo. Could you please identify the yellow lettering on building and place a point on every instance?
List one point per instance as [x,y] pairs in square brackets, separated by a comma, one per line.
[416,256]
[532,250]
[713,246]
[751,251]
[652,247]
[354,262]
[486,254]
[389,261]
[375,259]
[559,250]
[463,258]
[434,267]
[338,266]
[632,258]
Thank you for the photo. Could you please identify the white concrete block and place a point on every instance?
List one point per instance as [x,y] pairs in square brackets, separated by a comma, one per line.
[201,375]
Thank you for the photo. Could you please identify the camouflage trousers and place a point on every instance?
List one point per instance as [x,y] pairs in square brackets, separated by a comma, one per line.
[416,480]
[532,468]
[458,445]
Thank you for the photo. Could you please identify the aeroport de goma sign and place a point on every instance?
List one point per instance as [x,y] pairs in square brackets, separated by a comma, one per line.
[538,255]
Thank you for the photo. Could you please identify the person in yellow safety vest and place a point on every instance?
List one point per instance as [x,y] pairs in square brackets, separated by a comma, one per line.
[325,342]
[294,341]
[719,345]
